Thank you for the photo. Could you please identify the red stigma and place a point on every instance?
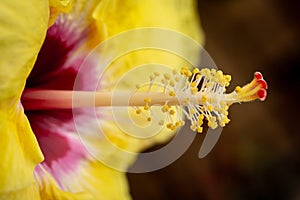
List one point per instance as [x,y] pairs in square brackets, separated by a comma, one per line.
[263,83]
[258,75]
[262,94]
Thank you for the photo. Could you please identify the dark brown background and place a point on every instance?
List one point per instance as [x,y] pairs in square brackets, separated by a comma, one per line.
[257,156]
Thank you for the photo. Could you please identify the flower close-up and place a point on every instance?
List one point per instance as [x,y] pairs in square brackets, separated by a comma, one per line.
[43,46]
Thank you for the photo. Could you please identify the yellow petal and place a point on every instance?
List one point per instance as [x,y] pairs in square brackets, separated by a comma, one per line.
[62,5]
[57,7]
[115,16]
[23,26]
[19,153]
[111,184]
[28,193]
[49,189]
[98,180]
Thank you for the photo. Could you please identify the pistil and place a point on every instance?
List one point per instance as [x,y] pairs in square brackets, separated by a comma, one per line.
[197,94]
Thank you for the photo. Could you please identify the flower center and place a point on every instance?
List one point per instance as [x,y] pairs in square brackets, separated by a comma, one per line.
[55,69]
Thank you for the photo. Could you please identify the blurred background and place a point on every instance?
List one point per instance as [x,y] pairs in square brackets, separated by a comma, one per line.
[257,155]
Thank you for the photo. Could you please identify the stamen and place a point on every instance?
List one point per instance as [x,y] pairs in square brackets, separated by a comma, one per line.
[201,97]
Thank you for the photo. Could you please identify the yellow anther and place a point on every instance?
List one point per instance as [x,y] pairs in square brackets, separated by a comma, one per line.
[193,84]
[226,107]
[220,73]
[193,127]
[200,129]
[210,108]
[194,90]
[138,111]
[165,108]
[205,71]
[213,71]
[149,119]
[138,86]
[172,94]
[222,124]
[208,76]
[201,117]
[156,73]
[216,79]
[224,112]
[161,122]
[223,82]
[212,124]
[209,123]
[172,112]
[174,71]
[188,73]
[169,125]
[186,100]
[177,79]
[172,83]
[167,76]
[195,71]
[200,122]
[198,76]
[152,77]
[146,107]
[182,123]
[227,78]
[182,71]
[177,124]
[147,100]
[204,98]
[238,89]
[173,127]
[213,118]
[185,68]
[210,119]
[226,120]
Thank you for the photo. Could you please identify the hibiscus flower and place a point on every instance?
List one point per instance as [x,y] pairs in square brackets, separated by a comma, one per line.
[43,46]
